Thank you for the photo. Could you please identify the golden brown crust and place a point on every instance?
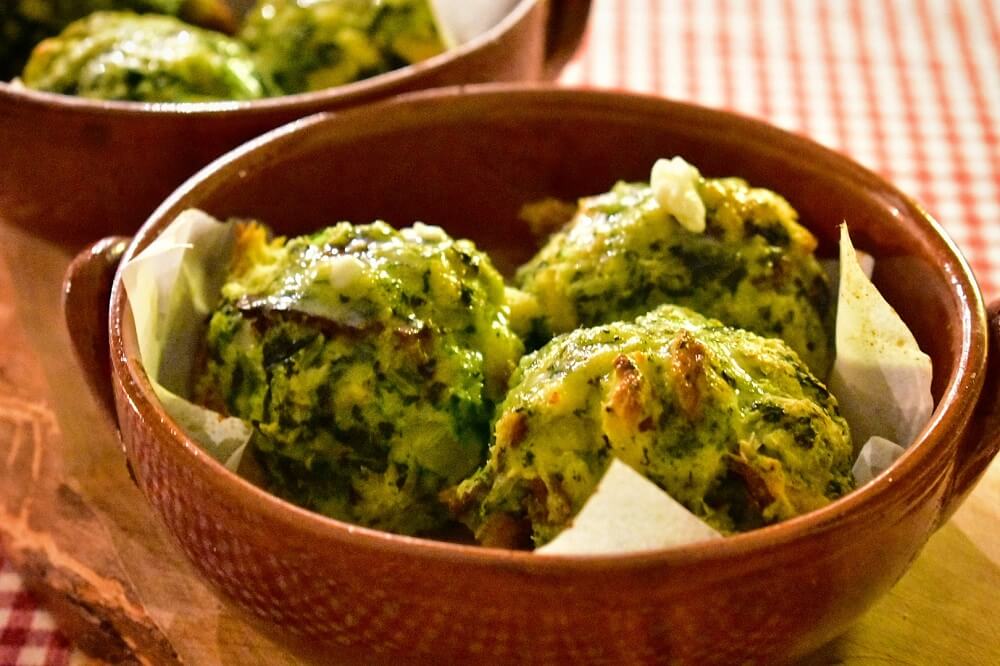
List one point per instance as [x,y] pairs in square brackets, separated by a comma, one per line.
[214,14]
[547,216]
[502,530]
[756,485]
[417,343]
[625,401]
[687,364]
[511,429]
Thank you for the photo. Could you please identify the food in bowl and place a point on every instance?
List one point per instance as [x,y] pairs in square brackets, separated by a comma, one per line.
[730,424]
[145,58]
[112,181]
[282,47]
[370,369]
[25,23]
[368,360]
[751,265]
[304,46]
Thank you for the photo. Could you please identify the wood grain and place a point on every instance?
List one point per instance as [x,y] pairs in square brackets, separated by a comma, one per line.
[74,524]
[71,520]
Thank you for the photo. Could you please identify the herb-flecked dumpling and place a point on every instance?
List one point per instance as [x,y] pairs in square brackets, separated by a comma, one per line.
[147,58]
[368,360]
[309,45]
[25,23]
[732,425]
[622,254]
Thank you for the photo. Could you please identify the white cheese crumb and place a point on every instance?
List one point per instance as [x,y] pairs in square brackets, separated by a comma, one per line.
[428,233]
[340,271]
[675,186]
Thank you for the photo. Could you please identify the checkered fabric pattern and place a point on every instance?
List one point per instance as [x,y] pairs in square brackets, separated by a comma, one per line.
[27,635]
[908,88]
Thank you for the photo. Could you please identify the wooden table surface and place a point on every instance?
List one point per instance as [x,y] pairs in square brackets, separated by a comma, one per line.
[72,521]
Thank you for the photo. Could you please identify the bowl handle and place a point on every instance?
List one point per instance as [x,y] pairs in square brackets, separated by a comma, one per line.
[982,440]
[86,297]
[567,24]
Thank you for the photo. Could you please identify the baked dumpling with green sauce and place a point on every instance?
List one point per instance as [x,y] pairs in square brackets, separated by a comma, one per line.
[25,23]
[369,362]
[313,44]
[741,257]
[730,424]
[145,58]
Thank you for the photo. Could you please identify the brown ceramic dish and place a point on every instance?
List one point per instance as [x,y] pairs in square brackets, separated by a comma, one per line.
[467,161]
[74,169]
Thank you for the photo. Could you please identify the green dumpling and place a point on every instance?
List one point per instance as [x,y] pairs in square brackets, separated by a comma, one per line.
[322,43]
[147,58]
[25,23]
[731,424]
[368,360]
[620,255]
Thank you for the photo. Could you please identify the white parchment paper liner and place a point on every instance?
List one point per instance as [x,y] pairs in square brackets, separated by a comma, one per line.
[628,513]
[172,287]
[880,377]
[460,21]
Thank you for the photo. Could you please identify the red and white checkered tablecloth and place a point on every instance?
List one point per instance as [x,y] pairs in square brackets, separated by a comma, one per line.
[909,88]
[27,634]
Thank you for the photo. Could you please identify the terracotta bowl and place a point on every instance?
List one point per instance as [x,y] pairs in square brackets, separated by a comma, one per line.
[74,169]
[466,160]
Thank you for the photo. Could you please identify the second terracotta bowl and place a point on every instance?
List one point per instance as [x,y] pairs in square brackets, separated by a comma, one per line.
[467,161]
[74,170]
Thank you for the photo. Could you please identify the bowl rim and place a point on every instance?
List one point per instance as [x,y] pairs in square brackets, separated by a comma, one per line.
[951,413]
[343,94]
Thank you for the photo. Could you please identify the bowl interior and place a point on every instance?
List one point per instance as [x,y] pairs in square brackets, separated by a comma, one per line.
[468,163]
